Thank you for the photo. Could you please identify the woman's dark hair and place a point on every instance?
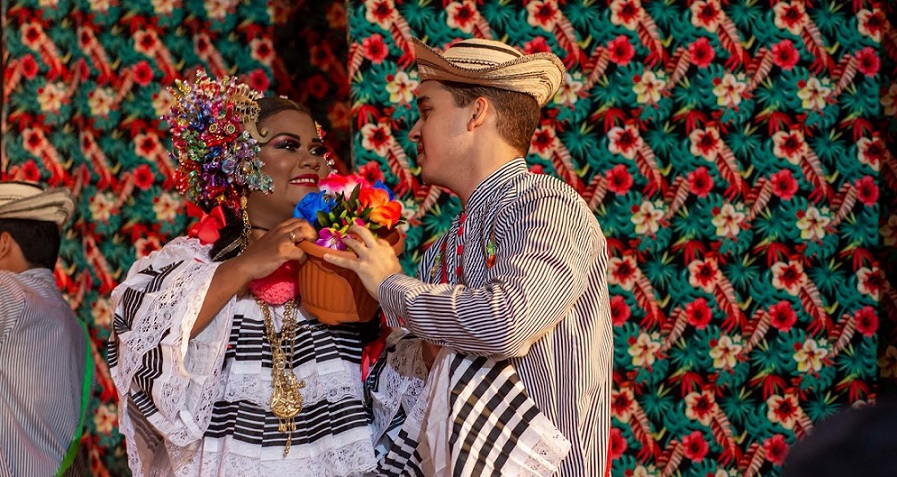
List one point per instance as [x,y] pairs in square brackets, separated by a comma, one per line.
[268,107]
[39,240]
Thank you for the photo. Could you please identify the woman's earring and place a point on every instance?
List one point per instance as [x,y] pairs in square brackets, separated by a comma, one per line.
[328,159]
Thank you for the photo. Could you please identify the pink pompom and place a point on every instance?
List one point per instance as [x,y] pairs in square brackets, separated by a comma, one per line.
[279,287]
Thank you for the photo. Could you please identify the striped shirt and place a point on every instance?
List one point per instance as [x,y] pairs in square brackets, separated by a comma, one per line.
[42,355]
[526,282]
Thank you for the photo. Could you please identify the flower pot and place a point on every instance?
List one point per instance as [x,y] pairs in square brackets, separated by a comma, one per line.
[336,295]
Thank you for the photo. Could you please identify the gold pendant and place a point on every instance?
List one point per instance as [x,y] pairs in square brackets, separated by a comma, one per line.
[286,401]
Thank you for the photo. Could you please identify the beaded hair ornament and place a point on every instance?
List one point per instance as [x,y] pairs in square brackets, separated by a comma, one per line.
[215,141]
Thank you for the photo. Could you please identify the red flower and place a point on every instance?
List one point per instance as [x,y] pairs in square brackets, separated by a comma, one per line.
[784,55]
[618,444]
[867,191]
[375,49]
[29,66]
[776,449]
[866,321]
[316,86]
[695,446]
[783,184]
[619,180]
[537,169]
[30,172]
[781,316]
[868,61]
[621,51]
[201,44]
[258,80]
[321,55]
[698,313]
[143,73]
[700,182]
[701,53]
[371,172]
[619,310]
[144,177]
[536,45]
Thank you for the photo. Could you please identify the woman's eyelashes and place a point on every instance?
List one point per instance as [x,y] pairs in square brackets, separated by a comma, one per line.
[317,150]
[288,144]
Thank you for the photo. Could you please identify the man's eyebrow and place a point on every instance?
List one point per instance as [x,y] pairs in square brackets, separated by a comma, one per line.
[423,99]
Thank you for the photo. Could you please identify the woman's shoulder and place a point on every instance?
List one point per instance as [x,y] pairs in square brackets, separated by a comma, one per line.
[178,250]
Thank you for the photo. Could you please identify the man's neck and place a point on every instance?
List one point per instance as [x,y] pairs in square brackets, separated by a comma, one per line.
[481,168]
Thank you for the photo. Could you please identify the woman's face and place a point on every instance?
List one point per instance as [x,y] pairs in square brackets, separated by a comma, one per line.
[294,158]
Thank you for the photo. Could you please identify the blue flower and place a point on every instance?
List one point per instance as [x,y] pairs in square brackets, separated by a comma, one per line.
[381,185]
[311,204]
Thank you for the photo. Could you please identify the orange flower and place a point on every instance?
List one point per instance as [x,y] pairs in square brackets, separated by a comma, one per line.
[387,215]
[373,197]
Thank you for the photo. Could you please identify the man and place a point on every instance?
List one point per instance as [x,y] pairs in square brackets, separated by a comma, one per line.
[520,276]
[43,352]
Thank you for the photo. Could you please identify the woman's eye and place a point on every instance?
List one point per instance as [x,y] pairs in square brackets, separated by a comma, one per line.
[318,150]
[289,145]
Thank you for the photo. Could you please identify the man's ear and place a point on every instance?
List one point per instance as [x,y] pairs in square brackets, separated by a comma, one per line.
[6,244]
[479,109]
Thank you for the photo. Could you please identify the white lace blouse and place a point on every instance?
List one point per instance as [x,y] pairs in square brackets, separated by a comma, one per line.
[200,406]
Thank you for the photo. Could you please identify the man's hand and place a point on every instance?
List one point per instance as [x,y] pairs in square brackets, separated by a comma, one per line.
[376,259]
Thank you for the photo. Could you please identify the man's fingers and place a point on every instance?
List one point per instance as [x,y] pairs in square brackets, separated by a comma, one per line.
[341,261]
[364,234]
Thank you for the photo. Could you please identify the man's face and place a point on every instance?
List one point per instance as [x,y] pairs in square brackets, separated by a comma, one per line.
[441,134]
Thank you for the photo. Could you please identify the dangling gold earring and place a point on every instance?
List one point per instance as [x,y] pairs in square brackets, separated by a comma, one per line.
[247,227]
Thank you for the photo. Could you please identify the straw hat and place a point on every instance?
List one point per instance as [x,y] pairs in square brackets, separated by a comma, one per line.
[22,200]
[492,63]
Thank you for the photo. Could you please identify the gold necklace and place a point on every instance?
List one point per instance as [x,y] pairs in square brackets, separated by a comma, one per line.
[286,400]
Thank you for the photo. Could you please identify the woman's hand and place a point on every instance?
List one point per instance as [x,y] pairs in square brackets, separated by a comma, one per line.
[262,257]
[269,250]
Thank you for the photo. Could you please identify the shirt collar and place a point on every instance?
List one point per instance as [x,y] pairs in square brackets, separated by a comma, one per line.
[489,186]
[41,274]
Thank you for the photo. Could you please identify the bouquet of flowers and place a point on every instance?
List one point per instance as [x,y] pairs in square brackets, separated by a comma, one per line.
[332,294]
[346,200]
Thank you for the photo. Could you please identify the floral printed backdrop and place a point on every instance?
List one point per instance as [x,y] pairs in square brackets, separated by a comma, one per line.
[733,152]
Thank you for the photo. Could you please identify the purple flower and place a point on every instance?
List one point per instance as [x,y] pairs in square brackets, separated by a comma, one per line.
[331,238]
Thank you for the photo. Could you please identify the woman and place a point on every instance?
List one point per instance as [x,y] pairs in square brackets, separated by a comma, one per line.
[218,370]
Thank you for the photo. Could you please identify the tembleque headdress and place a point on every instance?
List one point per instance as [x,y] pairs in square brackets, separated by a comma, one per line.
[215,141]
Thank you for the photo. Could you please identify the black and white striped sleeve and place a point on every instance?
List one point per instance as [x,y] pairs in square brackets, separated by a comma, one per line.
[540,271]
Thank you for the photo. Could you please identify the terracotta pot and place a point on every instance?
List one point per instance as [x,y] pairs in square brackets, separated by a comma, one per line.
[335,295]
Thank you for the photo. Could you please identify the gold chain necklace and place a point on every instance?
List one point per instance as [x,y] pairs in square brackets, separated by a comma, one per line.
[286,400]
